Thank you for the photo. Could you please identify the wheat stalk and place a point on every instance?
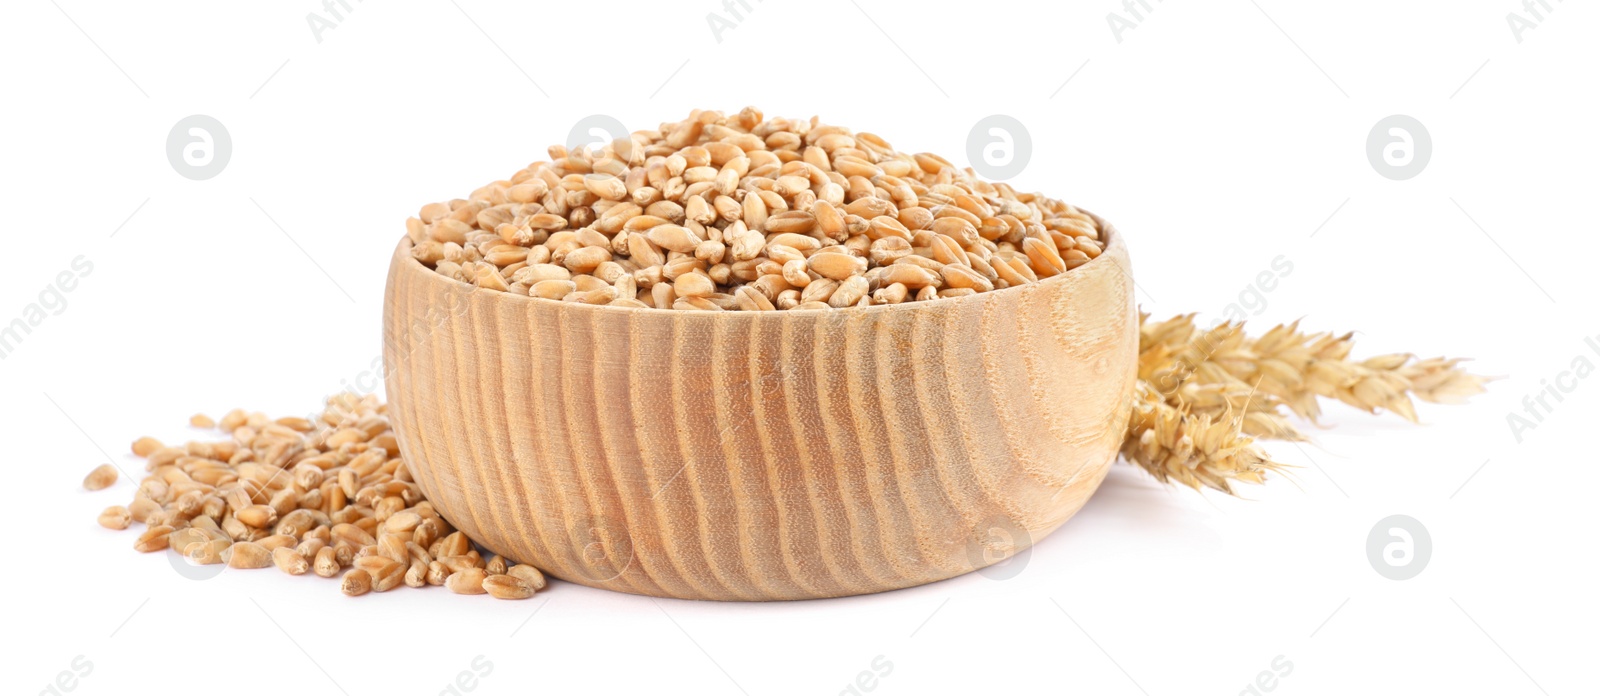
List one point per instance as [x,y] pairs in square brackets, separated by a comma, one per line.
[1205,395]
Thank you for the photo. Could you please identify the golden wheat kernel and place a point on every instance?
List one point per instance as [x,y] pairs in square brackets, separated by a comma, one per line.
[436,574]
[388,576]
[309,547]
[1020,264]
[1074,258]
[455,544]
[662,296]
[183,536]
[142,508]
[345,436]
[201,420]
[885,226]
[798,242]
[698,210]
[749,299]
[503,586]
[791,222]
[144,446]
[1009,272]
[416,574]
[371,563]
[433,211]
[527,574]
[673,238]
[459,563]
[894,293]
[818,290]
[403,521]
[290,561]
[237,530]
[586,259]
[495,565]
[356,583]
[466,581]
[101,477]
[586,283]
[552,289]
[285,501]
[1043,257]
[418,552]
[425,533]
[781,254]
[277,541]
[795,273]
[693,285]
[349,482]
[912,276]
[247,555]
[393,546]
[849,292]
[605,186]
[957,276]
[888,250]
[115,517]
[835,266]
[209,552]
[258,516]
[153,488]
[747,245]
[327,562]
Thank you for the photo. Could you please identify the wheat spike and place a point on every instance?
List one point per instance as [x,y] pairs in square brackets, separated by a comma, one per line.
[1437,380]
[1298,367]
[1203,396]
[1193,449]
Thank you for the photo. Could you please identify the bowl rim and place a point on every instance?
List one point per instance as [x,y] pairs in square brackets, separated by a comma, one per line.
[1108,233]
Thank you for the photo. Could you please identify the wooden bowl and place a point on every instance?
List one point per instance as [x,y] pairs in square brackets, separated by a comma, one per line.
[761,455]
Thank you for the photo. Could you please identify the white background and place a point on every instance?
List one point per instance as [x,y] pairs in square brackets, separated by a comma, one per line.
[1216,135]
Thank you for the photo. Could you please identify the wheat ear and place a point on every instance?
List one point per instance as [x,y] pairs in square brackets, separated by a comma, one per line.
[1204,396]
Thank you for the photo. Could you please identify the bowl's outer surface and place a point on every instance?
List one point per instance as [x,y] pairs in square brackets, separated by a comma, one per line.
[761,455]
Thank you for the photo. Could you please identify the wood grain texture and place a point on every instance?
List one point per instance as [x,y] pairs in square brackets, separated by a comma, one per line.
[761,455]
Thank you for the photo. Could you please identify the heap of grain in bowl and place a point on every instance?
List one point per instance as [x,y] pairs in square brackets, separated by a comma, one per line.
[742,212]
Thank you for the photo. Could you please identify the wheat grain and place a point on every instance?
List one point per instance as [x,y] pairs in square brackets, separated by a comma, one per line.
[503,586]
[313,495]
[713,204]
[527,574]
[101,477]
[290,561]
[115,517]
[466,581]
[388,575]
[357,582]
[247,555]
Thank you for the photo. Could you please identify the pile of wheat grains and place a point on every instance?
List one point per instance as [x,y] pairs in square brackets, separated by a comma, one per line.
[328,496]
[742,212]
